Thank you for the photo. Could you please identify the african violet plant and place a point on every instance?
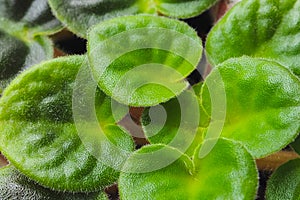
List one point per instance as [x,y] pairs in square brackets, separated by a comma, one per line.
[60,119]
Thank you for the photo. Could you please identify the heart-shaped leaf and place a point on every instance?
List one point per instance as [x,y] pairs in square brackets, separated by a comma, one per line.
[16,55]
[81,15]
[284,182]
[227,172]
[262,103]
[14,185]
[258,28]
[30,17]
[38,133]
[144,59]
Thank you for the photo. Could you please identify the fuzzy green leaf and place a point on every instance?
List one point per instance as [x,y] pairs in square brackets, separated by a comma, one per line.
[227,172]
[284,182]
[258,28]
[144,59]
[263,103]
[183,8]
[17,55]
[38,133]
[30,17]
[296,145]
[79,16]
[176,123]
[14,185]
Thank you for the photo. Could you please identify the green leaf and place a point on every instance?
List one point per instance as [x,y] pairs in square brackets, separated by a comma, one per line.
[79,16]
[183,8]
[227,172]
[176,123]
[14,185]
[38,133]
[17,55]
[262,103]
[296,145]
[30,17]
[197,89]
[144,59]
[232,172]
[284,182]
[258,28]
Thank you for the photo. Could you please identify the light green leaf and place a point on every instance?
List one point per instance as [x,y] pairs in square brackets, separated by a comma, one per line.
[227,172]
[258,28]
[38,133]
[263,103]
[144,59]
[14,185]
[284,182]
[79,16]
[17,55]
[27,18]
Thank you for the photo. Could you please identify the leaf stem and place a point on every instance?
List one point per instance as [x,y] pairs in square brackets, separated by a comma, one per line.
[3,161]
[273,161]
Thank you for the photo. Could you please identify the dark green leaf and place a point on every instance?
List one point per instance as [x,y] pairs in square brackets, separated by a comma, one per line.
[296,145]
[14,185]
[227,172]
[262,103]
[284,182]
[258,28]
[27,17]
[38,133]
[81,15]
[16,55]
[144,59]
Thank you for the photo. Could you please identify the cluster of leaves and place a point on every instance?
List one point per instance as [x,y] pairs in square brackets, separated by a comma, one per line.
[254,49]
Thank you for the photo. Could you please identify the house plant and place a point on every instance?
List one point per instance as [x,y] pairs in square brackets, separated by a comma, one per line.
[250,101]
